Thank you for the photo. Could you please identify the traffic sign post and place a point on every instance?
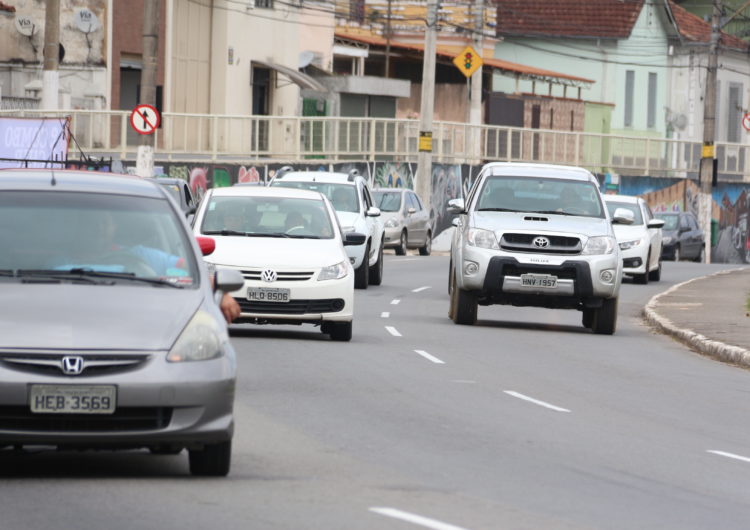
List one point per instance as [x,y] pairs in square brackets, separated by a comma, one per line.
[145,119]
[468,61]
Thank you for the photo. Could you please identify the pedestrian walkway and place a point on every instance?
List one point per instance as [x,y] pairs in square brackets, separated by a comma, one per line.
[709,314]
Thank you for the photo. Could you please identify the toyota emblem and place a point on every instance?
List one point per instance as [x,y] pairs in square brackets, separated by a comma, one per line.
[540,242]
[72,364]
[269,275]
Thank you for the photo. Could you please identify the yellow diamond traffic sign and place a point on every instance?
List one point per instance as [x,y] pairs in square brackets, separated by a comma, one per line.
[468,61]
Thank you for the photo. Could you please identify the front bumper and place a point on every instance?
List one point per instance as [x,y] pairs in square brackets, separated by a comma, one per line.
[160,403]
[634,259]
[392,237]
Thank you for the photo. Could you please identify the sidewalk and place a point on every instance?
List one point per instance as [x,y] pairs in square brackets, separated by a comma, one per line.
[708,314]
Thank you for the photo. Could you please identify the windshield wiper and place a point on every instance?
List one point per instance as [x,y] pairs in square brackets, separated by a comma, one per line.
[555,212]
[297,236]
[226,233]
[91,276]
[496,210]
[57,275]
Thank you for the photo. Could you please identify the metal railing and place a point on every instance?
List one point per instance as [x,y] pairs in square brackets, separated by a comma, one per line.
[247,139]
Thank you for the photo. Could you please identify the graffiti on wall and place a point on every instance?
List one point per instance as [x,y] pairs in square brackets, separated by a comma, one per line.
[393,175]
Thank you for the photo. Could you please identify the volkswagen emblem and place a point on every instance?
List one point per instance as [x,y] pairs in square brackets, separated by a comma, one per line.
[540,242]
[72,364]
[269,275]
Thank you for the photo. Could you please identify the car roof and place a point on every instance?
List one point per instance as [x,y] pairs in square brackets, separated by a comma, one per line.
[169,180]
[319,176]
[622,198]
[78,181]
[389,189]
[520,169]
[265,191]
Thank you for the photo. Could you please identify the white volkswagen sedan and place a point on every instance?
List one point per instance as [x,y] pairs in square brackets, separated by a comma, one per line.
[289,248]
[640,242]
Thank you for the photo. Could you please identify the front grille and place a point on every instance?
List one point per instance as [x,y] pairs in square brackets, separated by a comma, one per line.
[525,243]
[123,419]
[281,276]
[566,273]
[51,363]
[292,307]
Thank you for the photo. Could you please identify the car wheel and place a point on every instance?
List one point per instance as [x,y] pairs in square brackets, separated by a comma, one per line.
[376,271]
[677,253]
[401,248]
[340,331]
[360,273]
[605,317]
[463,308]
[643,278]
[701,257]
[588,318]
[212,461]
[427,248]
[655,275]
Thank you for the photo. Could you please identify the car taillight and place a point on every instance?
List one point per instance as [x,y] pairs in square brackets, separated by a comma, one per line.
[207,244]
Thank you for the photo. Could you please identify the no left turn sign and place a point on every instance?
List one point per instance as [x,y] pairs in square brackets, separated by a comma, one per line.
[145,119]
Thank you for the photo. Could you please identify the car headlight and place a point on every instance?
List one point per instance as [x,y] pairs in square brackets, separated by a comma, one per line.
[599,245]
[347,229]
[199,341]
[334,272]
[478,237]
[391,223]
[667,240]
[625,245]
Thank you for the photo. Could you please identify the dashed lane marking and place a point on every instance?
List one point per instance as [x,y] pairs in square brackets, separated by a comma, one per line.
[429,357]
[395,301]
[535,401]
[385,314]
[413,518]
[420,289]
[393,331]
[730,455]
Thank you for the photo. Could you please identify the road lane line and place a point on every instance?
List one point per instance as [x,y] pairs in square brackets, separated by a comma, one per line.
[385,314]
[429,357]
[393,331]
[395,301]
[420,289]
[730,455]
[535,401]
[415,519]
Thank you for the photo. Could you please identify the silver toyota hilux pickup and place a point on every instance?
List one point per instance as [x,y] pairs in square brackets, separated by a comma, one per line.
[535,235]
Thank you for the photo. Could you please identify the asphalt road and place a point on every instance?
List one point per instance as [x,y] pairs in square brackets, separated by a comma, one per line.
[524,421]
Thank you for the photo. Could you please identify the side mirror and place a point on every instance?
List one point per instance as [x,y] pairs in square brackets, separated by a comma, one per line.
[655,223]
[207,244]
[354,238]
[684,229]
[456,206]
[623,216]
[228,280]
[411,211]
[190,210]
[373,212]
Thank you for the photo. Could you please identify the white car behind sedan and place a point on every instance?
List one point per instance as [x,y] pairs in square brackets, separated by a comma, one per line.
[640,242]
[287,245]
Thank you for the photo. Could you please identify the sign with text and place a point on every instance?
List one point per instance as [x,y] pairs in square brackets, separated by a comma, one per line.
[38,139]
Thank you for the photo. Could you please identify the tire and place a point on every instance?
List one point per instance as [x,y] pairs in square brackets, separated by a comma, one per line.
[677,253]
[376,271]
[463,308]
[401,248]
[340,331]
[701,257]
[587,318]
[427,248]
[361,272]
[213,460]
[605,317]
[655,276]
[643,278]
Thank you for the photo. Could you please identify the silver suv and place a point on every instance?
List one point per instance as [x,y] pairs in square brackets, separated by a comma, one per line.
[535,235]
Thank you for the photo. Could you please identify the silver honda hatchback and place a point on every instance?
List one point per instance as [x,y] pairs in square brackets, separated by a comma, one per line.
[110,335]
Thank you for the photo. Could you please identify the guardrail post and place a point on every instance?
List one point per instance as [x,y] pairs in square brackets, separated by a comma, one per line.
[123,135]
[298,138]
[373,130]
[578,149]
[214,137]
[648,156]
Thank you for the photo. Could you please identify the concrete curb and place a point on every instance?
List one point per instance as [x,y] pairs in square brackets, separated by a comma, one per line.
[701,343]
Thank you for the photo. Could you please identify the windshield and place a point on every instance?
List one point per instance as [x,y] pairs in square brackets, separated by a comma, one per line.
[670,221]
[267,216]
[92,232]
[632,207]
[388,201]
[540,195]
[343,197]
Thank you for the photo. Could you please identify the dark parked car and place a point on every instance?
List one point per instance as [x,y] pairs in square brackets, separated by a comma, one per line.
[683,239]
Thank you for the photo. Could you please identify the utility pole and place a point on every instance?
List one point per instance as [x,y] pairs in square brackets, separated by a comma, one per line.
[145,159]
[709,132]
[50,76]
[475,106]
[427,107]
[388,42]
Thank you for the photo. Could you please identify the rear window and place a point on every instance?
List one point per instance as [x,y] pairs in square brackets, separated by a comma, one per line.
[388,201]
[343,197]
